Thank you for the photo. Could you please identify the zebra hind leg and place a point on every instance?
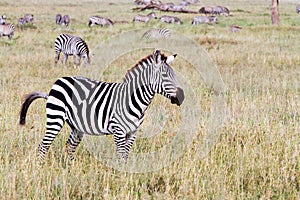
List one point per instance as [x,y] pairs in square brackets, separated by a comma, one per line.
[53,129]
[72,143]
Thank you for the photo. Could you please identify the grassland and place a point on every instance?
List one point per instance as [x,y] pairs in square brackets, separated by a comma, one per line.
[256,155]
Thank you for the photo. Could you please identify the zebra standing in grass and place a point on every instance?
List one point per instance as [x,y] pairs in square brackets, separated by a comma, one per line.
[7,30]
[102,108]
[71,45]
[157,33]
[144,18]
[170,19]
[28,18]
[204,20]
[102,21]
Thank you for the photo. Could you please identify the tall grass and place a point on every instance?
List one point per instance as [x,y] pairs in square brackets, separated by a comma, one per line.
[255,157]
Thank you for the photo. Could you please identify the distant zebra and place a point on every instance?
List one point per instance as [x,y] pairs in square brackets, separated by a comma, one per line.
[71,45]
[220,10]
[206,10]
[298,8]
[66,20]
[157,33]
[2,19]
[58,19]
[170,19]
[204,20]
[102,108]
[28,18]
[144,18]
[102,21]
[7,30]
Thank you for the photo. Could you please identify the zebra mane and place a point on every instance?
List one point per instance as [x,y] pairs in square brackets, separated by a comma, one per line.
[140,64]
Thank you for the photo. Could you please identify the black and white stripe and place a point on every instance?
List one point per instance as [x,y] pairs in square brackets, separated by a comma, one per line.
[2,19]
[102,21]
[144,18]
[157,33]
[102,108]
[71,45]
[7,30]
[170,19]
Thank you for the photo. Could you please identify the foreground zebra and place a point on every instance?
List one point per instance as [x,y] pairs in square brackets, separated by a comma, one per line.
[71,45]
[7,30]
[144,18]
[102,108]
[157,33]
[102,21]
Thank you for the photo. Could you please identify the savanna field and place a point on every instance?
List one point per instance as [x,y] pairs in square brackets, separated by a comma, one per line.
[256,153]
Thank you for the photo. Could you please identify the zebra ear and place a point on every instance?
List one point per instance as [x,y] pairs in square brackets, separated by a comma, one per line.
[157,56]
[171,58]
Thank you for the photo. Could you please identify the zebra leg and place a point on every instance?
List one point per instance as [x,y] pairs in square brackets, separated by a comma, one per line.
[76,63]
[65,59]
[130,138]
[56,58]
[72,143]
[120,141]
[53,129]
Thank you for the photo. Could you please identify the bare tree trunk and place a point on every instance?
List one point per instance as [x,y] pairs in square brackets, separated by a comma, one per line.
[275,12]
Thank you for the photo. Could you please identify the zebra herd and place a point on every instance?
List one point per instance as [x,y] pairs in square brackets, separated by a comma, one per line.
[101,108]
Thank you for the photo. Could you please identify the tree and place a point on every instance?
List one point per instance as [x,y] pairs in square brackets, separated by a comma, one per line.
[275,12]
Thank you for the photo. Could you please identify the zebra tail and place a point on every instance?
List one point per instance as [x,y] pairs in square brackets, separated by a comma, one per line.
[29,98]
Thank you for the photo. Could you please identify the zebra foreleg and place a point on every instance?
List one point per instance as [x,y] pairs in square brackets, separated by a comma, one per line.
[130,138]
[76,61]
[65,59]
[72,143]
[120,141]
[56,58]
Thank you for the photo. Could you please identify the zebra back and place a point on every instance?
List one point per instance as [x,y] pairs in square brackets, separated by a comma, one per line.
[157,33]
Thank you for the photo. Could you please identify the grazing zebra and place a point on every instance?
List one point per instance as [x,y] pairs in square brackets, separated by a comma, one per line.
[206,10]
[218,10]
[102,108]
[157,33]
[28,18]
[2,19]
[298,8]
[7,30]
[170,19]
[71,45]
[204,20]
[58,19]
[102,21]
[66,20]
[144,18]
[21,21]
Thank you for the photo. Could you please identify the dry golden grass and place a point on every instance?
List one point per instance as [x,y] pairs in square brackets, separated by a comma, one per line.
[256,155]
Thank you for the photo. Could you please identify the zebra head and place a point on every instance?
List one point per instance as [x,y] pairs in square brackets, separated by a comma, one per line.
[165,78]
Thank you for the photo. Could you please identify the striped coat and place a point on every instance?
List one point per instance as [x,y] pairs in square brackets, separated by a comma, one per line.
[7,30]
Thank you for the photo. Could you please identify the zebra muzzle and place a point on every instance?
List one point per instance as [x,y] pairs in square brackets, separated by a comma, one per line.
[178,99]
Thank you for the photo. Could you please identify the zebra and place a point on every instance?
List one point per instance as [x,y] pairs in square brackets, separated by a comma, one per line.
[66,20]
[170,19]
[206,10]
[7,30]
[102,21]
[157,33]
[101,108]
[58,19]
[28,18]
[298,9]
[204,20]
[218,10]
[144,18]
[71,45]
[2,19]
